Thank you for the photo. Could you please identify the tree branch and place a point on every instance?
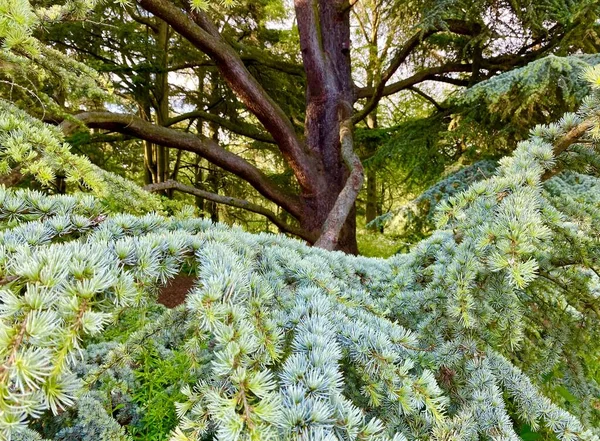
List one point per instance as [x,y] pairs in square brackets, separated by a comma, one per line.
[233,202]
[251,55]
[426,97]
[142,20]
[454,26]
[205,147]
[572,137]
[419,77]
[501,62]
[347,197]
[237,127]
[313,54]
[243,84]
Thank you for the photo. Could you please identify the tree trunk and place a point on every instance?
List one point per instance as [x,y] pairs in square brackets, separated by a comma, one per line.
[198,178]
[212,183]
[162,98]
[325,44]
[371,209]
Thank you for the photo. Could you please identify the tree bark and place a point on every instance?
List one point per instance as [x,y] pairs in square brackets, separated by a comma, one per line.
[344,204]
[324,27]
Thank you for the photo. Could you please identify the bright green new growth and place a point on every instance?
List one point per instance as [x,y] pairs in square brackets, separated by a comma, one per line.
[32,148]
[449,341]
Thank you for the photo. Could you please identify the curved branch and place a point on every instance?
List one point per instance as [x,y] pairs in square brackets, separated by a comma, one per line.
[233,202]
[243,84]
[426,97]
[347,197]
[205,147]
[142,20]
[570,138]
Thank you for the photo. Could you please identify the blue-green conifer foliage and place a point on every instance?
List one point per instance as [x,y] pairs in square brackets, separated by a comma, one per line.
[479,329]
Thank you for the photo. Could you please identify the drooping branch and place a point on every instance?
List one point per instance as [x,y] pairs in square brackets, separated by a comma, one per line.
[426,97]
[422,75]
[345,201]
[233,202]
[243,84]
[205,147]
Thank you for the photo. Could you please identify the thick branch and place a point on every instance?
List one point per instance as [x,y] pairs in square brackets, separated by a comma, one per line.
[317,70]
[233,202]
[207,148]
[244,85]
[345,201]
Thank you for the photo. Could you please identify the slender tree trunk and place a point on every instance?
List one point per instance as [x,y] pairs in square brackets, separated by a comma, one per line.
[162,98]
[380,204]
[213,178]
[150,175]
[371,120]
[371,208]
[198,178]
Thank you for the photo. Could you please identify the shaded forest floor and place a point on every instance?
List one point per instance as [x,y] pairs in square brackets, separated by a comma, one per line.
[175,292]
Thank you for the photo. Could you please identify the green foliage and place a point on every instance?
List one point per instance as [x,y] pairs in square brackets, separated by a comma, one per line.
[397,147]
[31,147]
[487,329]
[415,220]
[157,390]
[497,112]
[419,157]
[453,340]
